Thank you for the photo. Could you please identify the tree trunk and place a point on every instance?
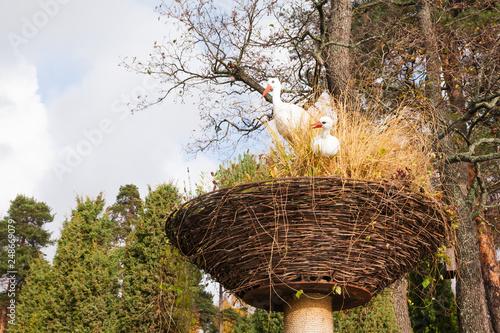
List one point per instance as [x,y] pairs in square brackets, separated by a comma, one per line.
[3,316]
[400,305]
[491,275]
[221,309]
[433,89]
[337,58]
[471,298]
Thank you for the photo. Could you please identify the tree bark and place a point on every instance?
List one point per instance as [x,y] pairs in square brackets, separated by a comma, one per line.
[471,298]
[221,309]
[433,89]
[337,58]
[400,305]
[491,275]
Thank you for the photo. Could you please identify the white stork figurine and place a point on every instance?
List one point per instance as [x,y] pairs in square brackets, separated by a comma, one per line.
[325,143]
[288,117]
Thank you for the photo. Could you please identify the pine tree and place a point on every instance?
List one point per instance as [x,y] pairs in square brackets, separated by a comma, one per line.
[80,293]
[205,311]
[127,208]
[21,238]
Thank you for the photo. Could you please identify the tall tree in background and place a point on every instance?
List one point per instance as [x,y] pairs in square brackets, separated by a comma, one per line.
[80,292]
[21,238]
[127,208]
[443,57]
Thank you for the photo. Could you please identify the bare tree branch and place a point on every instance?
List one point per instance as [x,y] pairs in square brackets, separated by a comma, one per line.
[470,155]
[488,103]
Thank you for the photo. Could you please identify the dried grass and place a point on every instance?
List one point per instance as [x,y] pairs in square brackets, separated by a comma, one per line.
[375,145]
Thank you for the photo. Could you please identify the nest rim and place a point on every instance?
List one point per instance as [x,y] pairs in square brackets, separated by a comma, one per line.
[271,296]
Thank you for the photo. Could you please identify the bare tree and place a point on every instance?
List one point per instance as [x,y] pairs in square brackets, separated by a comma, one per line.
[224,54]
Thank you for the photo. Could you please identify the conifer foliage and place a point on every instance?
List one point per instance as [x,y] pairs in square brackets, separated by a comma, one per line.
[158,285]
[127,208]
[29,217]
[114,271]
[79,293]
[21,238]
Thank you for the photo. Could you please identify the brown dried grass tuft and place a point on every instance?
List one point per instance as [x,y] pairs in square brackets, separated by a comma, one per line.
[375,145]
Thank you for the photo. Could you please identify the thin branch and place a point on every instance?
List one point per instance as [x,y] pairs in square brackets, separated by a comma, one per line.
[470,157]
[488,102]
[367,5]
[490,224]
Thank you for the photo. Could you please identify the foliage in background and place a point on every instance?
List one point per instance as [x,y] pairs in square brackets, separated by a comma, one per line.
[127,208]
[80,292]
[205,311]
[376,316]
[99,283]
[29,218]
[21,240]
[267,322]
[431,301]
[159,286]
[245,168]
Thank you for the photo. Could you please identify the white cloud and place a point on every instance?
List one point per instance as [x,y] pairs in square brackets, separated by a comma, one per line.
[65,129]
[25,146]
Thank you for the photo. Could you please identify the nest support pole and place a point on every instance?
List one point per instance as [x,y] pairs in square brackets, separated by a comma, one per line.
[309,313]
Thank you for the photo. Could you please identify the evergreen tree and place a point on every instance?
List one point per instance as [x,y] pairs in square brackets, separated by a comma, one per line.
[377,316]
[80,293]
[95,284]
[127,208]
[21,238]
[159,286]
[38,301]
[205,311]
[265,322]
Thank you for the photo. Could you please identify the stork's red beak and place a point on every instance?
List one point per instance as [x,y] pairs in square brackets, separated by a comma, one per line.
[266,91]
[317,125]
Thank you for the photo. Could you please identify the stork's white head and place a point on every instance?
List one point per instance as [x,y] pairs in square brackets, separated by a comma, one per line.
[324,122]
[272,84]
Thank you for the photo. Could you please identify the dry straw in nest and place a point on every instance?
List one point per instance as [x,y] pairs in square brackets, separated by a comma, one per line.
[374,144]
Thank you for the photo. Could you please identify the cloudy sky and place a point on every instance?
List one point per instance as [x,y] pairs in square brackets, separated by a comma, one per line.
[65,129]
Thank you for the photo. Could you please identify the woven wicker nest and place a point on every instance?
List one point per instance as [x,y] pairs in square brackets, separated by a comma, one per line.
[267,240]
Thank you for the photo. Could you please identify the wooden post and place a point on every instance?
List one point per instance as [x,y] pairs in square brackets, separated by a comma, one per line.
[311,314]
[221,308]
